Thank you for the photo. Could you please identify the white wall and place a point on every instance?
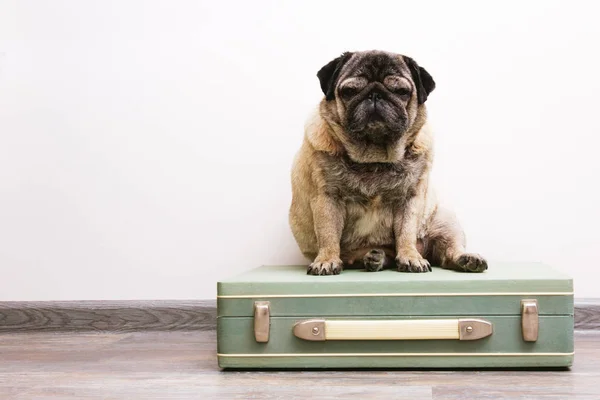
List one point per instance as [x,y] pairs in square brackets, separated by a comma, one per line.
[145,146]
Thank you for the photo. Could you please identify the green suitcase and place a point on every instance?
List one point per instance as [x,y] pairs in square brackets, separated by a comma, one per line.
[512,315]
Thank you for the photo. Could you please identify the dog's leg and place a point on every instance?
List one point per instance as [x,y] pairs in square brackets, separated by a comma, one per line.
[406,220]
[328,216]
[446,245]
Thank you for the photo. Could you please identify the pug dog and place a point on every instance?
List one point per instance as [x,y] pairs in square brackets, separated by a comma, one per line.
[360,182]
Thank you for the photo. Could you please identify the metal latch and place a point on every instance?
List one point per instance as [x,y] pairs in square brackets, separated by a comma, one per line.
[262,321]
[530,321]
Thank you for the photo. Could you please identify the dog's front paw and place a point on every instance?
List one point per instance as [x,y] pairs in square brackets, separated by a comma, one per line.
[471,262]
[412,263]
[326,267]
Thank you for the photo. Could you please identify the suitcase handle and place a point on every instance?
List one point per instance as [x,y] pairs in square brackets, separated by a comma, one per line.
[412,329]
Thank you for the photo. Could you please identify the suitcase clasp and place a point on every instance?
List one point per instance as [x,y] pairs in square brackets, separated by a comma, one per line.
[262,321]
[530,322]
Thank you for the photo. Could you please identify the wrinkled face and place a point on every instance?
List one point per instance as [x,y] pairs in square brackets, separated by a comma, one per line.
[376,93]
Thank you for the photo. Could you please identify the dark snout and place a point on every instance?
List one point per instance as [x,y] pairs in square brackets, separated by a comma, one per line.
[374,106]
[375,117]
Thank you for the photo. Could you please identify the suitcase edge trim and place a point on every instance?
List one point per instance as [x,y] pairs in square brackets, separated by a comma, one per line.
[275,296]
[271,355]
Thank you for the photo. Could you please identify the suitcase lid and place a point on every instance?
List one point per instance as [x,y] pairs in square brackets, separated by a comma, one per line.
[292,281]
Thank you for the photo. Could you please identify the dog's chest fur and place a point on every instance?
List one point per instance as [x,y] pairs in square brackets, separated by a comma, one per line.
[371,193]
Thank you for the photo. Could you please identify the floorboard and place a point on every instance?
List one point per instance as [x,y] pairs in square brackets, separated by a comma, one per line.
[182,365]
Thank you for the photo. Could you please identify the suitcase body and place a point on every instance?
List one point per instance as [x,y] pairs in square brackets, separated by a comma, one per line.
[512,315]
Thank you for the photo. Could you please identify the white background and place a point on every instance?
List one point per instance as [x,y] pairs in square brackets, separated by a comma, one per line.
[145,146]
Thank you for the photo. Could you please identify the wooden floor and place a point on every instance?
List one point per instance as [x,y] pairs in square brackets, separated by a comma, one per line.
[182,365]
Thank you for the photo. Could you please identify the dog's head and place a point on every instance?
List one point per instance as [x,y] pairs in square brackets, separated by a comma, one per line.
[374,96]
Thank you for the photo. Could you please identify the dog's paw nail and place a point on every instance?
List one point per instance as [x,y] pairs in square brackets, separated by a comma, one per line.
[414,264]
[325,268]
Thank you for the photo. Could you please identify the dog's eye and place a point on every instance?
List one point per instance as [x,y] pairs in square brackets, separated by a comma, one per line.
[402,92]
[348,91]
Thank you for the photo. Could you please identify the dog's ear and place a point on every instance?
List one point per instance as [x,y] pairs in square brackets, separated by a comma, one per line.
[424,83]
[329,73]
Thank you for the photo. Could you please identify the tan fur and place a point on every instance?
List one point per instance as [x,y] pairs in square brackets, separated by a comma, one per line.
[307,179]
[339,215]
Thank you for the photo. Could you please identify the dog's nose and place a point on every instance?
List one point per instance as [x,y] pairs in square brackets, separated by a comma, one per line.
[374,96]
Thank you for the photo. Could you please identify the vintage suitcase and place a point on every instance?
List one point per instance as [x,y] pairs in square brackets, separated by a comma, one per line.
[512,315]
